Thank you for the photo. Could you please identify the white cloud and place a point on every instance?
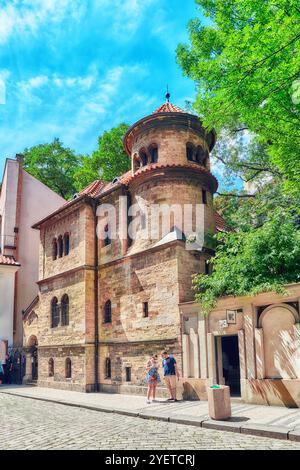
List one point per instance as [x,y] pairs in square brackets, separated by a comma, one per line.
[23,16]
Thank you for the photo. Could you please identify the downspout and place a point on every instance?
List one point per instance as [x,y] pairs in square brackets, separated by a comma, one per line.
[96,297]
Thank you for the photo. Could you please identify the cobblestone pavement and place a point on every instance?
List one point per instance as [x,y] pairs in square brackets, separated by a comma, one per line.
[32,424]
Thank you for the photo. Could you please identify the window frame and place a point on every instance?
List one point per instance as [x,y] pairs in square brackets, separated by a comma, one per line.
[65,316]
[107,313]
[51,367]
[146,309]
[55,315]
[68,368]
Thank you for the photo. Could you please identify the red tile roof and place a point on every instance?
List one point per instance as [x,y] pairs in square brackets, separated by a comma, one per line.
[168,108]
[221,225]
[93,189]
[8,260]
[153,166]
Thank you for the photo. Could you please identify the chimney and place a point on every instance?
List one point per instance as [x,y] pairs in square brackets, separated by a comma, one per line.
[20,158]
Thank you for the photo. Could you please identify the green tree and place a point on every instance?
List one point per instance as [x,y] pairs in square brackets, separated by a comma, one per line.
[108,161]
[251,261]
[54,165]
[246,63]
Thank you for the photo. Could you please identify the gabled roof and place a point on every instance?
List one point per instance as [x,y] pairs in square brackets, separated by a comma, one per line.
[8,260]
[94,190]
[30,307]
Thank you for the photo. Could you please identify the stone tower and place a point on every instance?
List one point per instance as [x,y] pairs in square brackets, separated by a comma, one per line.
[170,158]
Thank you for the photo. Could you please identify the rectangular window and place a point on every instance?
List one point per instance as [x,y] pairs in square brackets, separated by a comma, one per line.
[145,309]
[204,196]
[128,374]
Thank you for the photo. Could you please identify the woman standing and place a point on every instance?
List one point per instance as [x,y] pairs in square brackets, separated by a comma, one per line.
[152,377]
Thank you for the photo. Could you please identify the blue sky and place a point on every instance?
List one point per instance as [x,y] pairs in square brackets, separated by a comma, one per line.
[74,68]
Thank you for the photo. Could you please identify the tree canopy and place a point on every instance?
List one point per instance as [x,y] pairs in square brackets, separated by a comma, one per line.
[246,63]
[66,173]
[108,161]
[54,165]
[245,60]
[260,253]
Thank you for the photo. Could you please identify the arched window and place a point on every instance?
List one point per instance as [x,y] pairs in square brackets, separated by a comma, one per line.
[107,312]
[143,157]
[68,368]
[190,152]
[51,367]
[136,162]
[200,155]
[65,310]
[107,240]
[66,244]
[60,247]
[54,249]
[205,159]
[153,150]
[107,368]
[54,313]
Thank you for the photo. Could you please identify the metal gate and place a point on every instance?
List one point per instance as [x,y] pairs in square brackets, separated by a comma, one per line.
[16,365]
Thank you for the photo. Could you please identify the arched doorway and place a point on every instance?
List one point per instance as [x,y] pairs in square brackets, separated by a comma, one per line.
[33,348]
[277,323]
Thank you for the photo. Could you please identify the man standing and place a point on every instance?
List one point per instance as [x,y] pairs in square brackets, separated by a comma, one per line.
[170,374]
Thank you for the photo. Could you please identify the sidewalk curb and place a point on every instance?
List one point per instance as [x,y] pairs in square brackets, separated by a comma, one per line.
[254,429]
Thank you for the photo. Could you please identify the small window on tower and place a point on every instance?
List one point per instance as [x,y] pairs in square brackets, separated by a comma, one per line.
[145,309]
[153,154]
[144,158]
[204,196]
[190,151]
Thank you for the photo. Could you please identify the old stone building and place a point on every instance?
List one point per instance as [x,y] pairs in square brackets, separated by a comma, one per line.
[113,290]
[106,304]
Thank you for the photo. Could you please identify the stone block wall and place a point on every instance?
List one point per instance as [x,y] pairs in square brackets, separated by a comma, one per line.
[74,224]
[171,143]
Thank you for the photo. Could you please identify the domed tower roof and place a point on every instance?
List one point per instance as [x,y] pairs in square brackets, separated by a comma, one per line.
[165,116]
[168,108]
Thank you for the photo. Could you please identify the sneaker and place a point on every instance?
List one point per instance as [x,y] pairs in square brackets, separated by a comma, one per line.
[148,402]
[170,399]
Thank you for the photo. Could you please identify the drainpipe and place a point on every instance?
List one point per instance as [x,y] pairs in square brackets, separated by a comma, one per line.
[94,206]
[96,290]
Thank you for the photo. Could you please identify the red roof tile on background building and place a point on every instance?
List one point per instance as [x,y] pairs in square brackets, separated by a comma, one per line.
[8,260]
[221,225]
[168,108]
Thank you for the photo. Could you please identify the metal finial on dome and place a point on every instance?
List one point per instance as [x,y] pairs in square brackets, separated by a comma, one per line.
[168,95]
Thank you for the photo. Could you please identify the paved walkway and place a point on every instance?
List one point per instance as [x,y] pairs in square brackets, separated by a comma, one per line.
[32,424]
[271,421]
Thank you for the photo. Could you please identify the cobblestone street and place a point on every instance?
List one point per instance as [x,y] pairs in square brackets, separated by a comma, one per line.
[32,424]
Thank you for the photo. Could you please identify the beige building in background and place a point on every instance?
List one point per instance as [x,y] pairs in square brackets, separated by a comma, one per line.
[250,343]
[23,200]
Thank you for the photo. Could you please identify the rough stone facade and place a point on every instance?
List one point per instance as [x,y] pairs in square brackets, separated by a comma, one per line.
[132,274]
